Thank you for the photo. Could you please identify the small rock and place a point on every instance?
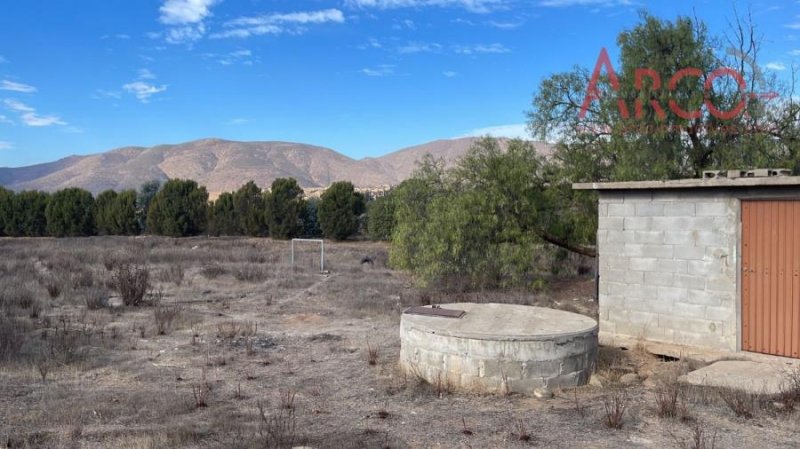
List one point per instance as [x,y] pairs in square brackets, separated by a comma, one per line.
[543,393]
[597,381]
[629,379]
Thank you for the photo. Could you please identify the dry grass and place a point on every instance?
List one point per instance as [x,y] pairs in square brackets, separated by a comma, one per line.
[77,370]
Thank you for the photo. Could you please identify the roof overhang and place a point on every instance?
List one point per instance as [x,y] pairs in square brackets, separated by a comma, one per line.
[772,181]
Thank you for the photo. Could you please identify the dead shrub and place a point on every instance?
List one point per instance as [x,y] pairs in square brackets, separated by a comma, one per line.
[287,399]
[66,345]
[615,405]
[12,338]
[165,316]
[53,285]
[212,271]
[670,397]
[175,273]
[277,430]
[96,298]
[789,396]
[743,404]
[251,273]
[521,432]
[201,392]
[132,281]
[700,440]
[372,355]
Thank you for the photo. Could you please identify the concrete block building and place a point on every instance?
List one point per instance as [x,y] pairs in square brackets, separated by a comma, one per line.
[700,264]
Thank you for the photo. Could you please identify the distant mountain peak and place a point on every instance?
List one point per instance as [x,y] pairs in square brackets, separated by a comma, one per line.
[224,165]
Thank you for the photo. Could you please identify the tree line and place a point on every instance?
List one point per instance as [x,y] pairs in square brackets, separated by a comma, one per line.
[181,208]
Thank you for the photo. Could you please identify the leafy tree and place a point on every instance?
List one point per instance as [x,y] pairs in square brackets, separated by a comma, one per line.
[285,208]
[600,140]
[250,206]
[70,213]
[125,219]
[339,209]
[476,225]
[144,197]
[380,217]
[223,219]
[105,219]
[6,201]
[27,217]
[179,209]
[310,220]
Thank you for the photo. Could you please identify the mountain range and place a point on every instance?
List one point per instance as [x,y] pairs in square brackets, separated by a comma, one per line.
[224,165]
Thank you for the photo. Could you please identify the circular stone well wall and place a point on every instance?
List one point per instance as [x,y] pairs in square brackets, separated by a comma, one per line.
[499,348]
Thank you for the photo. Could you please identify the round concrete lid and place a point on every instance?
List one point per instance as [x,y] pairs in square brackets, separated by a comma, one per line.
[503,322]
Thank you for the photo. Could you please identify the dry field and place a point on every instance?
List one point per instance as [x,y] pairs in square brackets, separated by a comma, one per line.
[231,347]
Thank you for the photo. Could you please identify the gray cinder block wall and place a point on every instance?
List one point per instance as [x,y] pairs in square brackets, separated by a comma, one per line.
[668,269]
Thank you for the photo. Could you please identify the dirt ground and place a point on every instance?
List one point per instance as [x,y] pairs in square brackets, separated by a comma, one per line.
[245,351]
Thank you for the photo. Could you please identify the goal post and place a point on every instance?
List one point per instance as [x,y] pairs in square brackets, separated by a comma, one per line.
[321,251]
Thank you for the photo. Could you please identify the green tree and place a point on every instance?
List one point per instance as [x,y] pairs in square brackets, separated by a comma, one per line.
[474,226]
[125,219]
[223,219]
[339,209]
[179,209]
[285,208]
[144,197]
[380,217]
[250,206]
[105,219]
[599,141]
[70,213]
[311,228]
[6,202]
[27,217]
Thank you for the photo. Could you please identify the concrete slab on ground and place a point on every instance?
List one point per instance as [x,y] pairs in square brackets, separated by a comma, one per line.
[753,377]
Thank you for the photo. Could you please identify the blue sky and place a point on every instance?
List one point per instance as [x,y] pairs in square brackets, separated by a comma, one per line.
[363,77]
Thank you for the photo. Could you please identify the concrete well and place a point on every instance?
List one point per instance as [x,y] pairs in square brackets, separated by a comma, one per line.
[499,348]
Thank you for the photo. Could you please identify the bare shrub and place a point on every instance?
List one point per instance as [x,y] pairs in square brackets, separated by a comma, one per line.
[278,430]
[789,396]
[201,392]
[743,404]
[700,440]
[670,397]
[65,344]
[231,329]
[96,298]
[287,399]
[372,354]
[53,285]
[175,273]
[251,273]
[132,282]
[12,338]
[615,405]
[212,271]
[521,432]
[165,316]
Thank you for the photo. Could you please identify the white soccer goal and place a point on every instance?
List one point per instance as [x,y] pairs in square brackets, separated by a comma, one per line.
[321,251]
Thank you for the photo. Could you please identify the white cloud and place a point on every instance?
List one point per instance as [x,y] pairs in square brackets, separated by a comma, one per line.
[381,70]
[506,25]
[146,74]
[142,90]
[600,3]
[4,119]
[517,130]
[100,94]
[419,47]
[795,52]
[182,12]
[243,56]
[793,26]
[186,20]
[476,6]
[778,66]
[482,48]
[3,60]
[450,74]
[278,23]
[16,87]
[5,145]
[238,121]
[29,116]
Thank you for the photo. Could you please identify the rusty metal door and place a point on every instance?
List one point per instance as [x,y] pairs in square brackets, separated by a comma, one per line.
[771,277]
